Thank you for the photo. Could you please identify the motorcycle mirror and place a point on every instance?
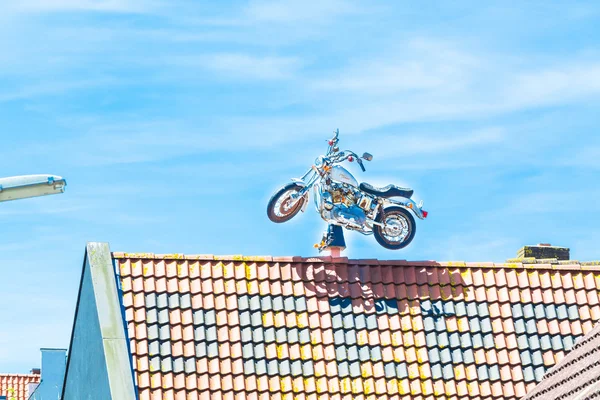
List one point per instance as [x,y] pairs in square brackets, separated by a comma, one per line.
[367,156]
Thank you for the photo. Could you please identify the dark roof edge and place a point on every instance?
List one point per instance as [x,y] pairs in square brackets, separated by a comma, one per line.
[64,385]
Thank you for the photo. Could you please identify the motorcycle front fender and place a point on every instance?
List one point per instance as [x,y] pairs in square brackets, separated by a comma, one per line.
[300,182]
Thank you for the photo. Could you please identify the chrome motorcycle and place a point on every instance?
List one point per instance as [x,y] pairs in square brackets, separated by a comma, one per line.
[386,212]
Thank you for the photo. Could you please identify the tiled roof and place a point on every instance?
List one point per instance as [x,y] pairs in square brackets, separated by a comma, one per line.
[15,385]
[577,376]
[232,327]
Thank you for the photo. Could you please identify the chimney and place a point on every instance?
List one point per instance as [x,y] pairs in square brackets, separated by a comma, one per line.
[53,371]
[544,251]
[36,371]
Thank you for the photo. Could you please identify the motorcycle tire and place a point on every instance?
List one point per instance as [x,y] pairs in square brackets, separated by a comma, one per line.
[402,214]
[288,214]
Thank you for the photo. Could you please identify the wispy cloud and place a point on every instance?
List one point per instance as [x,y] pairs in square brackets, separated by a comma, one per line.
[113,6]
[55,88]
[417,64]
[298,10]
[243,66]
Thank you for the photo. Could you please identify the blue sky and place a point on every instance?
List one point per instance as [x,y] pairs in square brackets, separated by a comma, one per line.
[174,121]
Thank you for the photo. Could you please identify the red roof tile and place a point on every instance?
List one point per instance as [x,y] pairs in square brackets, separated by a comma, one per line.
[16,385]
[262,327]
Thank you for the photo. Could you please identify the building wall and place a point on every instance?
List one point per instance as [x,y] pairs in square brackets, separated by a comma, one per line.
[87,375]
[53,374]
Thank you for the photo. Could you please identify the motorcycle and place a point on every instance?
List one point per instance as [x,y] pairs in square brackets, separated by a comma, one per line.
[385,212]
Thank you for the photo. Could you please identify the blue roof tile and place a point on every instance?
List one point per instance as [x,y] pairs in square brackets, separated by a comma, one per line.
[301,304]
[477,341]
[265,303]
[246,334]
[522,342]
[561,312]
[468,356]
[482,372]
[363,353]
[483,310]
[517,311]
[166,365]
[526,357]
[536,358]
[545,342]
[354,369]
[211,334]
[486,325]
[150,300]
[434,355]
[460,309]
[212,349]
[494,372]
[296,367]
[163,316]
[550,310]
[448,372]
[249,366]
[436,371]
[173,300]
[539,311]
[528,374]
[164,333]
[308,368]
[488,341]
[254,303]
[352,353]
[281,335]
[152,332]
[528,311]
[573,312]
[519,326]
[445,356]
[474,324]
[269,335]
[257,335]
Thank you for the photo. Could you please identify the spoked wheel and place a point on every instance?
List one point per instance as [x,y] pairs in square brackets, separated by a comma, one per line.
[399,228]
[282,207]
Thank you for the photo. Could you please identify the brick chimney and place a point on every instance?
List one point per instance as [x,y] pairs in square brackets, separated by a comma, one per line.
[544,251]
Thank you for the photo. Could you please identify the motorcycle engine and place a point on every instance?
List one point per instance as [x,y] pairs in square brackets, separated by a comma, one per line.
[345,209]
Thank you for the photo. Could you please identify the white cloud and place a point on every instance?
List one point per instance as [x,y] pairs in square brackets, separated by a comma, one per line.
[399,145]
[53,88]
[553,84]
[117,6]
[245,66]
[417,64]
[298,10]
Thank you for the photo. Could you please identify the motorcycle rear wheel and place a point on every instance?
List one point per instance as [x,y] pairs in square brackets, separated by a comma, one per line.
[280,208]
[399,228]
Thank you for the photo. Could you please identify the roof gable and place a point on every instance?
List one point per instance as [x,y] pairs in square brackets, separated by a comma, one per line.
[98,366]
[577,376]
[267,327]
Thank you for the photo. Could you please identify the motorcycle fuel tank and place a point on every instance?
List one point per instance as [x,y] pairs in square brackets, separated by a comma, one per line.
[341,174]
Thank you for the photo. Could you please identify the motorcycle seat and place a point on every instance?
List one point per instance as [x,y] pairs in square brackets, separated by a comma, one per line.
[386,191]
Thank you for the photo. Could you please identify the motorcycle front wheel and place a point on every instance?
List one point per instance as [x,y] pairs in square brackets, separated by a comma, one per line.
[399,228]
[281,207]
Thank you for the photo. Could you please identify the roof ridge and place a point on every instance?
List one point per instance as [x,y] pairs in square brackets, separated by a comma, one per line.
[19,375]
[518,263]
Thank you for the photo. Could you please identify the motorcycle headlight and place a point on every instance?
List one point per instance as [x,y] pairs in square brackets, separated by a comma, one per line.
[319,162]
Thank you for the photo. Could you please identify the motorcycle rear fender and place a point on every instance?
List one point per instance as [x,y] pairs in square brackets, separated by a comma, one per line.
[406,203]
[300,182]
